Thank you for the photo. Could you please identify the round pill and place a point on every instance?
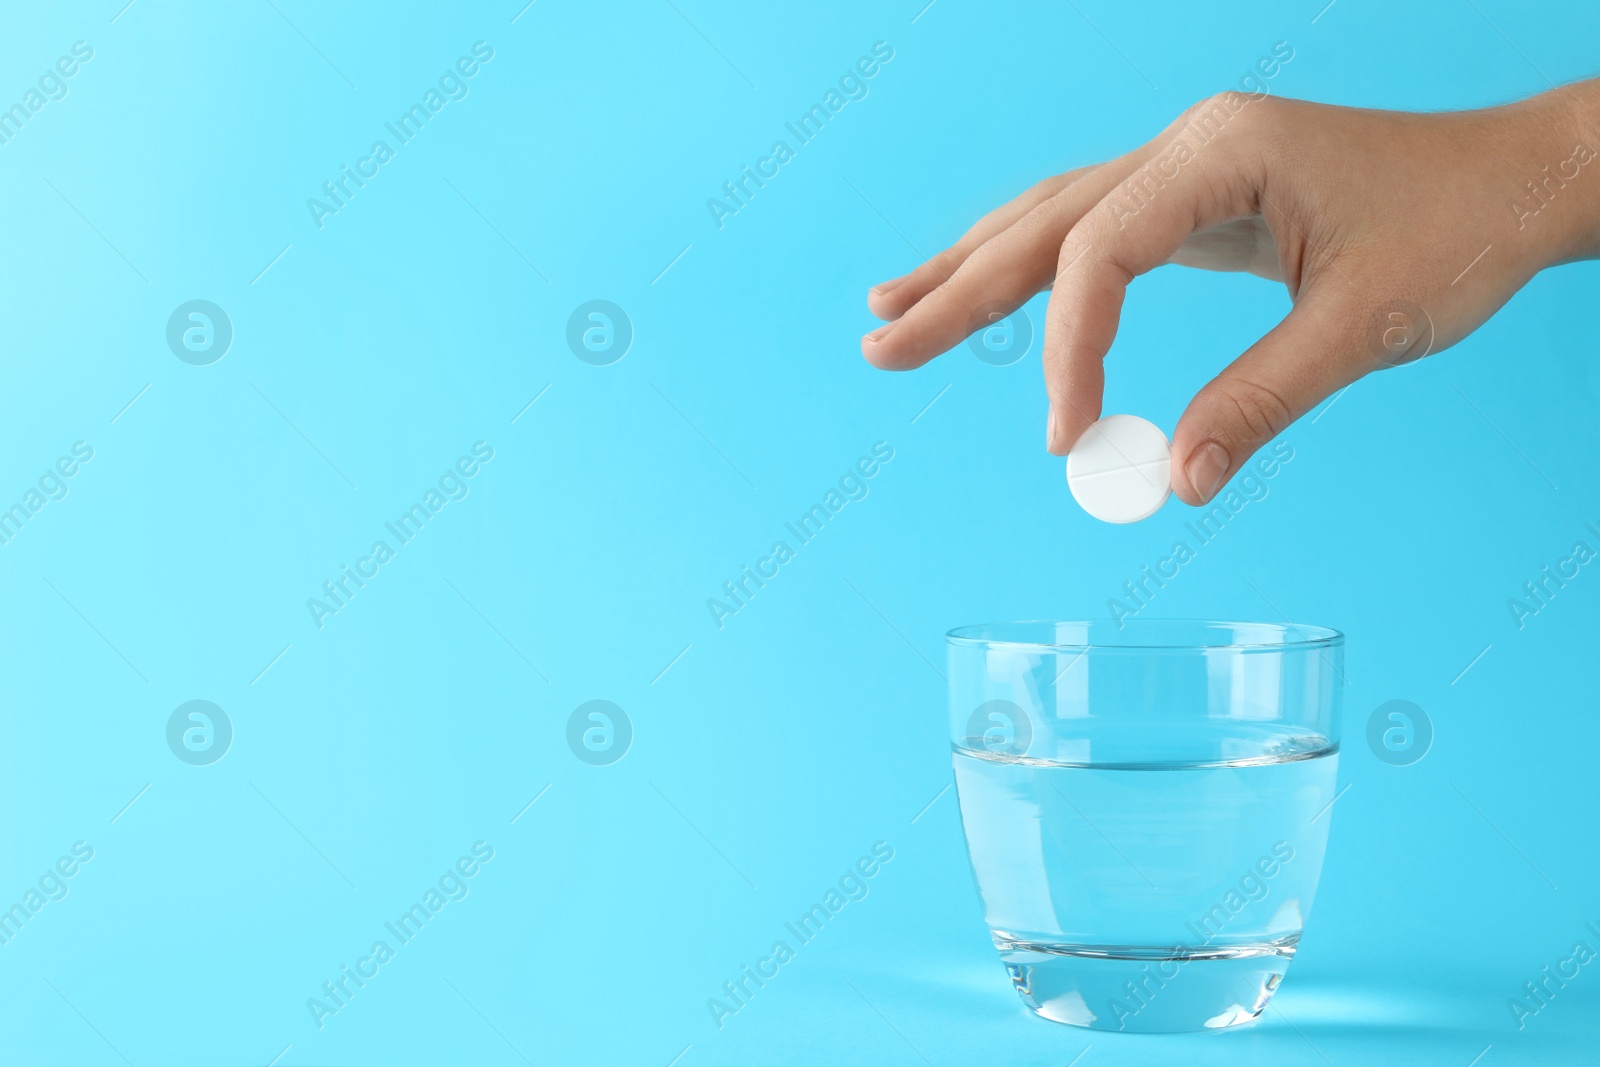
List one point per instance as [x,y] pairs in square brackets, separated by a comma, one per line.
[1120,470]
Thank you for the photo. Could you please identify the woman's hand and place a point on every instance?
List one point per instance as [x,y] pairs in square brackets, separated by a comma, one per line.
[1396,234]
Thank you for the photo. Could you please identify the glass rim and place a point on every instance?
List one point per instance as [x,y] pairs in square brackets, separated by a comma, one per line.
[1293,636]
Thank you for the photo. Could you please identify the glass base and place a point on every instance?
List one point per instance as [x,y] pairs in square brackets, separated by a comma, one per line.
[1146,990]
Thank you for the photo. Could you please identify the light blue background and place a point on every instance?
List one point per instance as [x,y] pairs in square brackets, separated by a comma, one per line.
[426,715]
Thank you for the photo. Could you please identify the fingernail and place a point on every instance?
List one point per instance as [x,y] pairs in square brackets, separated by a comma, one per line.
[1207,469]
[1050,430]
[877,335]
[893,283]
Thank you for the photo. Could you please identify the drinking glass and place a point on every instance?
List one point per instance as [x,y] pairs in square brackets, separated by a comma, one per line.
[1146,806]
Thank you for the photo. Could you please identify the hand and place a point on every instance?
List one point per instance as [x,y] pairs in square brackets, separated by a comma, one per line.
[1377,222]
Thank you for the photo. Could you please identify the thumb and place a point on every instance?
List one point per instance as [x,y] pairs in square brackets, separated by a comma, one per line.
[1299,363]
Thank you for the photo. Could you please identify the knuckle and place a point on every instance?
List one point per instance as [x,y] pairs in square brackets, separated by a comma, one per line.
[945,263]
[1206,104]
[1232,113]
[1258,410]
[1062,182]
[1260,122]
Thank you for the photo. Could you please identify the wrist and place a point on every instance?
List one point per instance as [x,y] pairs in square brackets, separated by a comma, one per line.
[1557,203]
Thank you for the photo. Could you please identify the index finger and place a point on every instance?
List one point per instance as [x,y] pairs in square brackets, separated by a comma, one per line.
[1192,184]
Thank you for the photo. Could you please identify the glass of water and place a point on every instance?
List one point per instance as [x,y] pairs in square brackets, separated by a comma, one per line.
[1146,805]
